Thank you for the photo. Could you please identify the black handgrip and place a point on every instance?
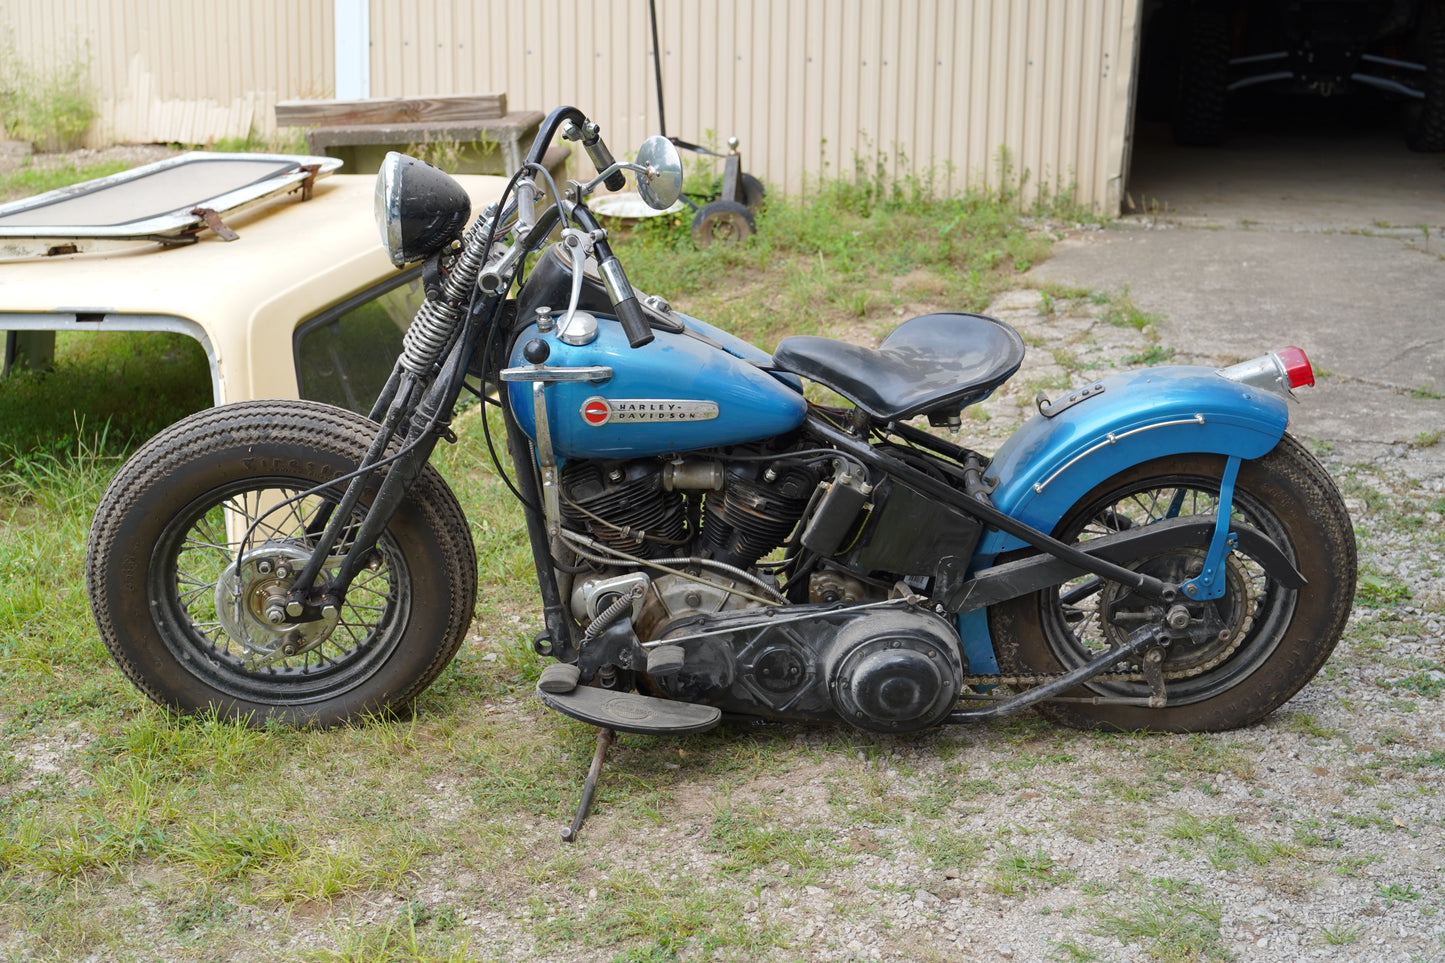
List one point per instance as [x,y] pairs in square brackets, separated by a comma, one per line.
[634,323]
[602,159]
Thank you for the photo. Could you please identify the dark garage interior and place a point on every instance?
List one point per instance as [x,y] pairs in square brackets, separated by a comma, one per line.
[1242,106]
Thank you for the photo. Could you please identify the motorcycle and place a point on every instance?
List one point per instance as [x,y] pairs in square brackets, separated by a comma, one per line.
[1150,551]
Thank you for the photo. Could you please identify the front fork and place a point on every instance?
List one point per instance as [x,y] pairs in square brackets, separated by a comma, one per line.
[421,423]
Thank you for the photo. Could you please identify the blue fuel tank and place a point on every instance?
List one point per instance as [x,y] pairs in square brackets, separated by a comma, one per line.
[675,394]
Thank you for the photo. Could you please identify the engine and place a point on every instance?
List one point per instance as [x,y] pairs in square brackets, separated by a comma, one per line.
[891,668]
[740,511]
[879,669]
[625,506]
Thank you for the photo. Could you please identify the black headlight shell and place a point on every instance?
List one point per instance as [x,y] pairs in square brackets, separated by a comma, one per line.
[419,209]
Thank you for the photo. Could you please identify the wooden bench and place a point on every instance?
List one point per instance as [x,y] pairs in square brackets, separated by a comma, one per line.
[484,136]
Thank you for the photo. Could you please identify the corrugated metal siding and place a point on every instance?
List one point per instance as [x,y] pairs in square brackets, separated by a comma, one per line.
[181,70]
[808,86]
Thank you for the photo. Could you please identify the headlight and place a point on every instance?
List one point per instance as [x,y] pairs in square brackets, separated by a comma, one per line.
[419,209]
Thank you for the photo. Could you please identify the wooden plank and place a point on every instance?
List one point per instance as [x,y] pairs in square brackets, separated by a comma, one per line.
[407,110]
[512,129]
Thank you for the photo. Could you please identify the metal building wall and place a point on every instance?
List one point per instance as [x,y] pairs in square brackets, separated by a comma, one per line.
[190,71]
[807,85]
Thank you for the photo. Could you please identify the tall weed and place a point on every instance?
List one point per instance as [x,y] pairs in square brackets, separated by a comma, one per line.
[50,106]
[847,248]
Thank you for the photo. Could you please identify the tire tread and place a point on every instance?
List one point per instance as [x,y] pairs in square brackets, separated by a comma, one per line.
[272,422]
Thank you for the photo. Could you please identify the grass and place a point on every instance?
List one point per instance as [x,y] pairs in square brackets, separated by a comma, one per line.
[289,140]
[847,250]
[121,387]
[1174,923]
[30,179]
[1121,311]
[1018,872]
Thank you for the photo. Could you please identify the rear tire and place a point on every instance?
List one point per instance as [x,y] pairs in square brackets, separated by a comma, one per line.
[189,626]
[1271,640]
[754,193]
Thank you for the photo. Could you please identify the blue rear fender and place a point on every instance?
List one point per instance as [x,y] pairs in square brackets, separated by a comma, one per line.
[1050,463]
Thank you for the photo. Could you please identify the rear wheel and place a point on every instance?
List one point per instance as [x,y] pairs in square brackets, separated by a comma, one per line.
[1238,657]
[199,538]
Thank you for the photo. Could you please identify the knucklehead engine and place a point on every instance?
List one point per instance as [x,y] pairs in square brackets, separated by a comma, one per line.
[708,610]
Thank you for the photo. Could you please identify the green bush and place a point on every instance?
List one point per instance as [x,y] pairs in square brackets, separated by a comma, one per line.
[51,108]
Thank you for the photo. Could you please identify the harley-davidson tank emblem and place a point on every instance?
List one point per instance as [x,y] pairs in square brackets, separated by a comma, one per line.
[599,411]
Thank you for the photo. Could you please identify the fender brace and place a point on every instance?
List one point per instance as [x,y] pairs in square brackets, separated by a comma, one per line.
[1009,580]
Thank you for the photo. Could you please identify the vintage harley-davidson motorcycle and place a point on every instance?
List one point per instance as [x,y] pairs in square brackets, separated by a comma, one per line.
[1151,551]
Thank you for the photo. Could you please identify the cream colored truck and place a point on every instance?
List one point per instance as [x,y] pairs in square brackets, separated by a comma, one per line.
[303,303]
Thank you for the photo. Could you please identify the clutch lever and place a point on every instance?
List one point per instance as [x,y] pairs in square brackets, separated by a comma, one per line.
[579,244]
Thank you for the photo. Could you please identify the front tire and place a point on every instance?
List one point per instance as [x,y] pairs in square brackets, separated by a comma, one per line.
[1256,646]
[195,628]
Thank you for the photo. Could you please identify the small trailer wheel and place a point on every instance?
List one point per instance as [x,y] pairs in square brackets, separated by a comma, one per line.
[722,222]
[753,192]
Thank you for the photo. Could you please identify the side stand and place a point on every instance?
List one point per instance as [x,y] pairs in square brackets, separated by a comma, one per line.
[605,738]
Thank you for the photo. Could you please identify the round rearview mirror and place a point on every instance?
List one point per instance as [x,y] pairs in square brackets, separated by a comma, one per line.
[661,185]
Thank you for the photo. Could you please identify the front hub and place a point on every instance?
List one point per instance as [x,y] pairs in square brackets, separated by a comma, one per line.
[251,605]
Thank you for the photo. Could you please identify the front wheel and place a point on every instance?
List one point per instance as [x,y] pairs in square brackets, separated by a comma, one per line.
[1238,657]
[200,536]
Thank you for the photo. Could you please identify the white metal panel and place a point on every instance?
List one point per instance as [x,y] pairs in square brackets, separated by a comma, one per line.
[177,70]
[808,86]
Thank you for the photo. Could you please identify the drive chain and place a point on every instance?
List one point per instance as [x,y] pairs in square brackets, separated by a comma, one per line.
[1033,680]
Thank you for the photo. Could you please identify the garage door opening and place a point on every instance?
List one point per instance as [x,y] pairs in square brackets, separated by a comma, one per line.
[1290,109]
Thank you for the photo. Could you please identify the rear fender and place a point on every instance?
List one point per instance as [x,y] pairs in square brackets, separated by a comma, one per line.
[1121,421]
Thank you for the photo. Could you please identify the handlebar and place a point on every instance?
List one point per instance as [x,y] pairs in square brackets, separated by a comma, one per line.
[619,290]
[602,158]
[592,142]
[634,323]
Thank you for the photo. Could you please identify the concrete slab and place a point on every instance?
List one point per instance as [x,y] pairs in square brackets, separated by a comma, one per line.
[1293,241]
[1366,308]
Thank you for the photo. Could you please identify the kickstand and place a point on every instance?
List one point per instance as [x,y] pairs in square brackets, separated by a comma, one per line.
[605,738]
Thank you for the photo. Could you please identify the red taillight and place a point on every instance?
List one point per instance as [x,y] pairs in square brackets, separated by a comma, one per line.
[1296,367]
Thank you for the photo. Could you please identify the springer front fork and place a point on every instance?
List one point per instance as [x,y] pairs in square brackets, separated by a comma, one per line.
[415,410]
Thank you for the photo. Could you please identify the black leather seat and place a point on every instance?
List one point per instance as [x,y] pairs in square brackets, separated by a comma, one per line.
[931,363]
